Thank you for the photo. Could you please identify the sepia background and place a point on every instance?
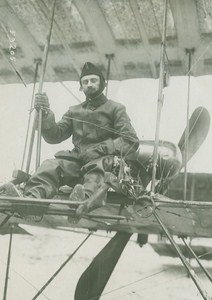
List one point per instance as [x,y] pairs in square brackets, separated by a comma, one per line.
[128,32]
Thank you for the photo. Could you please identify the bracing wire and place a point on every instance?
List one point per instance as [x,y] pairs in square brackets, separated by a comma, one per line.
[125,135]
[152,275]
[24,279]
[61,267]
[70,92]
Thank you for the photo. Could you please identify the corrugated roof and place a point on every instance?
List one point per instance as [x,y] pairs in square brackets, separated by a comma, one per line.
[90,30]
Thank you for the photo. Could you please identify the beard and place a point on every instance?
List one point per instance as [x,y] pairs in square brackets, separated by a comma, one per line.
[90,92]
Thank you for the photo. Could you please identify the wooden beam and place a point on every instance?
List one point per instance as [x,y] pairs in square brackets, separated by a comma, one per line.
[144,37]
[70,56]
[187,26]
[100,31]
[23,38]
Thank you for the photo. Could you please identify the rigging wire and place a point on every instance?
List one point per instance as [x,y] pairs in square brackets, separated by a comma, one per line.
[30,112]
[70,92]
[24,279]
[197,260]
[61,267]
[105,128]
[191,129]
[160,100]
[152,275]
[123,286]
[199,57]
[162,283]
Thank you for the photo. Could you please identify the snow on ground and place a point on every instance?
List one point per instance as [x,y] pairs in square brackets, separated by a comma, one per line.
[139,274]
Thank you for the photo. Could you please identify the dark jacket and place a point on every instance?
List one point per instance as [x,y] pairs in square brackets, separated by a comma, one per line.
[98,128]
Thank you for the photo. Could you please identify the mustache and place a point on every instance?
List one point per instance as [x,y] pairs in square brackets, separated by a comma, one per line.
[90,90]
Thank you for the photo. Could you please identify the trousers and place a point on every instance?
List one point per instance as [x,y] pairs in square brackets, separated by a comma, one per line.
[53,173]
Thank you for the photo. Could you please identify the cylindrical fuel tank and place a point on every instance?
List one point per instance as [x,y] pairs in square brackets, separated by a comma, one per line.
[169,158]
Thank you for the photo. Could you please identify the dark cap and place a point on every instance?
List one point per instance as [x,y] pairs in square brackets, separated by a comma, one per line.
[91,69]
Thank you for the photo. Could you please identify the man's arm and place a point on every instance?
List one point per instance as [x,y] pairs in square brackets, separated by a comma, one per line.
[52,132]
[55,133]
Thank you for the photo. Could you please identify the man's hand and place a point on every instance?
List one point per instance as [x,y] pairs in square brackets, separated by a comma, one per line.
[41,101]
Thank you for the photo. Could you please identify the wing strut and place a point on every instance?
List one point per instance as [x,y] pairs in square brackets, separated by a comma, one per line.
[186,264]
[189,52]
[8,264]
[160,99]
[60,268]
[38,122]
[38,62]
[197,259]
[43,69]
[199,124]
[109,57]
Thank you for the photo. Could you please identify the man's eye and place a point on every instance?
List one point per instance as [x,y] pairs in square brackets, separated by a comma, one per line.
[85,82]
[94,80]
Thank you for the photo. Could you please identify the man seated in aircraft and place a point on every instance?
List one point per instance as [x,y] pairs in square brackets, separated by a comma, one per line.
[100,129]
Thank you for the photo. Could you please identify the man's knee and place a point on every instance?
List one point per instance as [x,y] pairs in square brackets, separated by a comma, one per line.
[50,163]
[101,165]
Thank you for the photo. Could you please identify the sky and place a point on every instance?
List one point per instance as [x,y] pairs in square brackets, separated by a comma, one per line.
[138,95]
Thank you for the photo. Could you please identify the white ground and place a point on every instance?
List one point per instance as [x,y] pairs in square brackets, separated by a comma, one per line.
[140,273]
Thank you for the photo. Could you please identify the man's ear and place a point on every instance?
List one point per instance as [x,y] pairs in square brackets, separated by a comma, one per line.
[80,88]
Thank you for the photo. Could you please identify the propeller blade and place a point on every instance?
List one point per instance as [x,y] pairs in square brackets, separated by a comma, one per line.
[93,281]
[199,124]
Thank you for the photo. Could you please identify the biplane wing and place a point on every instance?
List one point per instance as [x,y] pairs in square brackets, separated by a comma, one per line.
[182,218]
[126,32]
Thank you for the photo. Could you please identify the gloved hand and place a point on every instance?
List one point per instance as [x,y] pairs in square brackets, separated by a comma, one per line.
[41,101]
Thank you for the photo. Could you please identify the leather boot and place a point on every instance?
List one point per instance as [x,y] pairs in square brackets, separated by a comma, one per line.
[12,191]
[78,193]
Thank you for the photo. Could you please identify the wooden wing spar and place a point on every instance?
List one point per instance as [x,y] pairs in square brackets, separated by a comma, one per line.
[126,32]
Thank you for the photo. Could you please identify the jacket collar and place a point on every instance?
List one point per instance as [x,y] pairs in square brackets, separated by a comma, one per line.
[94,103]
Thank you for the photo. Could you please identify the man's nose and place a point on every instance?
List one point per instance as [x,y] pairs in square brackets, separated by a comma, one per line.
[89,83]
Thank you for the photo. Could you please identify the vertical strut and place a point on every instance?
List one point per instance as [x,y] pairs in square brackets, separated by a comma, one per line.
[8,263]
[197,259]
[28,124]
[186,264]
[189,52]
[160,99]
[5,220]
[109,57]
[43,69]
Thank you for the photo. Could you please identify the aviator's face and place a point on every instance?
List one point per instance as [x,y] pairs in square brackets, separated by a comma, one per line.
[90,84]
